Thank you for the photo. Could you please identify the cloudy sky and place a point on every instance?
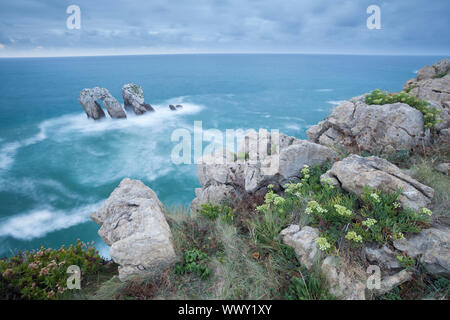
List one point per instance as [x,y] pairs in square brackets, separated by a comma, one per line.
[38,27]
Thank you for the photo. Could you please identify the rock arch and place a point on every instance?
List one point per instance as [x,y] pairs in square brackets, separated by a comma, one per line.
[88,99]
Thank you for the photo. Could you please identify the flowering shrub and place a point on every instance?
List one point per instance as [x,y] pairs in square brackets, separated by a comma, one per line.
[377,216]
[43,274]
[430,114]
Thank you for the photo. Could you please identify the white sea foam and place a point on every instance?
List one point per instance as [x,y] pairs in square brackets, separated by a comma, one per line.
[39,222]
[64,128]
[293,126]
[335,102]
[324,90]
[292,118]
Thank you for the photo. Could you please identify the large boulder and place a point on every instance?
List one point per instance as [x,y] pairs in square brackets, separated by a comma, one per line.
[356,126]
[437,89]
[133,99]
[355,172]
[88,99]
[262,159]
[431,247]
[133,223]
[303,241]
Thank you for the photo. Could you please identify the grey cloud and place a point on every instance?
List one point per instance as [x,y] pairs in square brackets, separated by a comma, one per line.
[227,25]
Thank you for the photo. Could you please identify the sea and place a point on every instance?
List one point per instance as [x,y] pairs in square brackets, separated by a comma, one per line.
[57,166]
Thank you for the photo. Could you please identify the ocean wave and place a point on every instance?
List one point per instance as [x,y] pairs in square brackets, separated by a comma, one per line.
[64,127]
[39,222]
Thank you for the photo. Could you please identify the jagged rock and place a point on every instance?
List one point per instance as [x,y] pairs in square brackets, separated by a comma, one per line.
[172,107]
[442,66]
[444,168]
[133,223]
[88,100]
[133,99]
[410,83]
[431,247]
[354,126]
[214,194]
[384,257]
[179,106]
[340,282]
[390,282]
[303,242]
[355,172]
[437,89]
[262,159]
[426,72]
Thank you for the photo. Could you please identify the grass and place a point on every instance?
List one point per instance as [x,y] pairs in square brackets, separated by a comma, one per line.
[426,174]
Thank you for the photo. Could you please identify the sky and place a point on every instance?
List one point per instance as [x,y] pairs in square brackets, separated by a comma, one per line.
[108,27]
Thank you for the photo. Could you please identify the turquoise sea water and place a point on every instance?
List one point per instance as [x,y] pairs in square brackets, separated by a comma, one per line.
[56,166]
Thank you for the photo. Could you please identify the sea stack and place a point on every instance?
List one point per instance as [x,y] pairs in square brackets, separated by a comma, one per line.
[88,99]
[133,99]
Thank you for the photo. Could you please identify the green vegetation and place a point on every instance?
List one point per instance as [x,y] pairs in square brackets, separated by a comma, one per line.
[211,211]
[430,114]
[43,274]
[309,287]
[194,261]
[339,215]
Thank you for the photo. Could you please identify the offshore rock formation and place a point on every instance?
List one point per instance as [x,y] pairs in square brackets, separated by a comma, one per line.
[88,99]
[262,159]
[133,99]
[133,223]
[355,172]
[356,126]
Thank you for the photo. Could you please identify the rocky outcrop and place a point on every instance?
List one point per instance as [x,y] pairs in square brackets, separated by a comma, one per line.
[262,159]
[356,126]
[355,172]
[341,282]
[133,99]
[433,85]
[439,69]
[88,99]
[303,242]
[384,257]
[431,247]
[133,223]
[426,72]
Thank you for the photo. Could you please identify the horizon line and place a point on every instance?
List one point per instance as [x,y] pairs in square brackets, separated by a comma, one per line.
[223,53]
